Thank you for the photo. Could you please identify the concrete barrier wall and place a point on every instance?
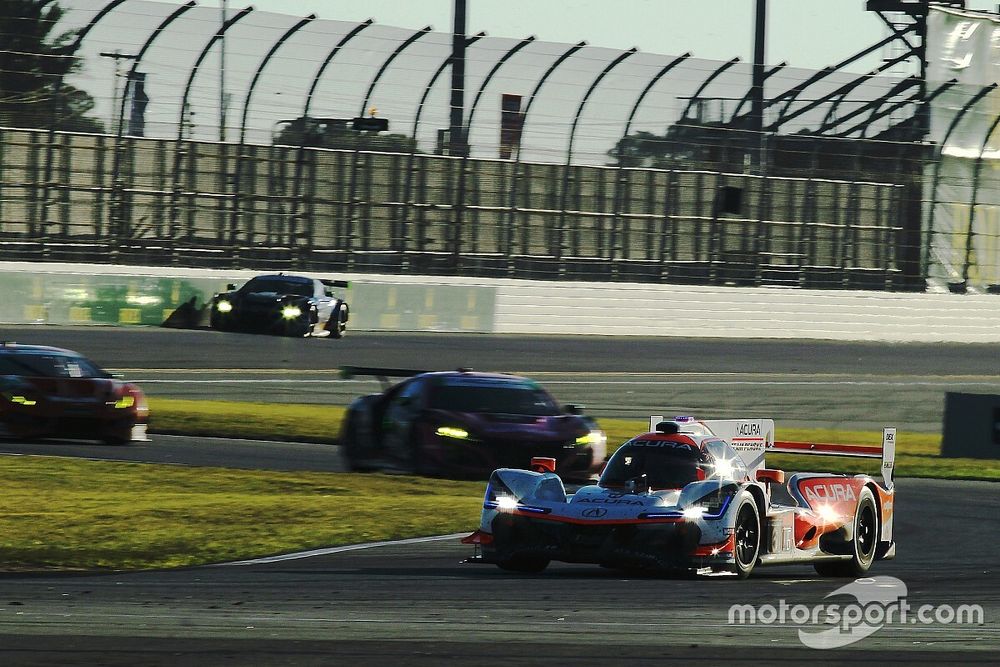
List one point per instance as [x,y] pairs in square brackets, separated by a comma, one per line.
[131,295]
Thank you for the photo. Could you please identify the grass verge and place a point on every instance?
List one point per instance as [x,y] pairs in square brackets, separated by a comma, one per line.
[70,514]
[918,454]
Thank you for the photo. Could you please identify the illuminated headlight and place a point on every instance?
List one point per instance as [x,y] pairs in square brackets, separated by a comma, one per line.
[223,306]
[291,312]
[507,503]
[22,400]
[125,402]
[594,439]
[452,432]
[712,505]
[724,469]
[694,512]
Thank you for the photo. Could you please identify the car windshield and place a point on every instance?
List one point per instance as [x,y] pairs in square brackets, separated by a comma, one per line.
[496,399]
[280,286]
[666,465]
[49,364]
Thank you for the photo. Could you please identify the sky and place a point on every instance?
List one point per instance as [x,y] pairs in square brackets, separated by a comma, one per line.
[807,34]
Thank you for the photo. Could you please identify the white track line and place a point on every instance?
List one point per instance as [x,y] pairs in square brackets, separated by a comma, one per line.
[336,550]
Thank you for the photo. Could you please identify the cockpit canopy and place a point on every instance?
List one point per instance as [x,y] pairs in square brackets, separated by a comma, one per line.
[656,462]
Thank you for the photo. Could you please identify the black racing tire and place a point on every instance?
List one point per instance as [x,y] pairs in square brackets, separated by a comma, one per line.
[524,564]
[864,542]
[747,537]
[350,445]
[338,321]
[216,322]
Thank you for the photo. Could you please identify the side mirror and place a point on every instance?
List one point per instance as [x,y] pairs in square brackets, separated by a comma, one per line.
[543,464]
[230,287]
[572,409]
[770,475]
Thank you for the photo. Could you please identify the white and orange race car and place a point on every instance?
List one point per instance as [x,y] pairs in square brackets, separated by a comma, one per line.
[694,495]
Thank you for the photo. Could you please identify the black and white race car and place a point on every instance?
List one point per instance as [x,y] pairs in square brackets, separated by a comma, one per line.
[694,495]
[282,304]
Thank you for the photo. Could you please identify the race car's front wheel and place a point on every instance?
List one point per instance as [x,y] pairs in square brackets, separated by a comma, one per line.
[746,537]
[525,564]
[863,544]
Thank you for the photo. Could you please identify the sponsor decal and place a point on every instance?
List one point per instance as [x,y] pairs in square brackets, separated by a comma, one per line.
[611,501]
[830,492]
[594,512]
[662,443]
[748,429]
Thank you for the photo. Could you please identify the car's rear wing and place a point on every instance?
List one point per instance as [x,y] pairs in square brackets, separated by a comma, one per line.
[753,438]
[336,283]
[380,374]
[886,451]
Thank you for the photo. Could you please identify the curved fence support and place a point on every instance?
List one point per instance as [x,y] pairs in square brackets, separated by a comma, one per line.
[301,152]
[616,204]
[561,230]
[179,152]
[704,84]
[352,200]
[236,211]
[399,235]
[457,220]
[117,209]
[976,171]
[746,97]
[512,209]
[54,118]
[929,233]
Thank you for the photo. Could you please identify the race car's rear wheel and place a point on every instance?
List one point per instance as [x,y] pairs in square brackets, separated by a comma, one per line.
[338,321]
[526,564]
[747,537]
[863,544]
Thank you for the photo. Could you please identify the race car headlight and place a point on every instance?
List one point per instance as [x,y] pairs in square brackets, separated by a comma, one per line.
[593,439]
[291,312]
[694,512]
[22,400]
[452,432]
[125,402]
[224,306]
[711,505]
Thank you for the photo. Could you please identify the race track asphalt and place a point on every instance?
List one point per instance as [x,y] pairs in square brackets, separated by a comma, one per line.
[798,383]
[416,604]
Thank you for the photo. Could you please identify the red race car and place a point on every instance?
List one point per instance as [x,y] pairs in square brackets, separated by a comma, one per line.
[47,392]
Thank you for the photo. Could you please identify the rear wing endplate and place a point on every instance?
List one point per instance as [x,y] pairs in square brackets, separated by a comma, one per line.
[886,452]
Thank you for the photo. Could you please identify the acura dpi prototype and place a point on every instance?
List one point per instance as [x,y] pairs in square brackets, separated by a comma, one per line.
[48,392]
[284,305]
[694,495]
[466,424]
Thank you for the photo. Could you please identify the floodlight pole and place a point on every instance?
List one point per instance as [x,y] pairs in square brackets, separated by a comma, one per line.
[457,142]
[757,84]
